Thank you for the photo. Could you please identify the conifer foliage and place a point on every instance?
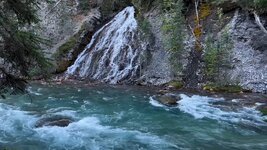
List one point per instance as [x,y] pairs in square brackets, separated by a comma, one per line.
[173,27]
[20,48]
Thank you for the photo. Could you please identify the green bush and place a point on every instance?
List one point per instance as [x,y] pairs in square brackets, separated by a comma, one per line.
[144,27]
[173,27]
[217,56]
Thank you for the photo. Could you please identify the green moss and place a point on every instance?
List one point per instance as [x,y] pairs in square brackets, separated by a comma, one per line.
[66,47]
[264,112]
[176,84]
[223,88]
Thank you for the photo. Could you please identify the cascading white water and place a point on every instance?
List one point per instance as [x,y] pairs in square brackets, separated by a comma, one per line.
[112,55]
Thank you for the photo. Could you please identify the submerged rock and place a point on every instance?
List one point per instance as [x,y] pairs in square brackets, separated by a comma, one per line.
[59,121]
[168,99]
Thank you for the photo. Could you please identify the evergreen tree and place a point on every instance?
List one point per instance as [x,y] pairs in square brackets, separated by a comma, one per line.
[173,27]
[19,47]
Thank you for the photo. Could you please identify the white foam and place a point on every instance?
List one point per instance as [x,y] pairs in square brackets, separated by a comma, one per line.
[235,100]
[68,113]
[34,92]
[155,103]
[58,109]
[201,107]
[14,120]
[89,132]
[107,98]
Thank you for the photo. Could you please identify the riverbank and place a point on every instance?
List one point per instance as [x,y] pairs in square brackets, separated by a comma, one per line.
[166,92]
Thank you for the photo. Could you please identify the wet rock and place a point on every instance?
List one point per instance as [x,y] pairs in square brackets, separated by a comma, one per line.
[248,53]
[168,100]
[59,121]
[223,88]
[176,84]
[162,92]
[227,105]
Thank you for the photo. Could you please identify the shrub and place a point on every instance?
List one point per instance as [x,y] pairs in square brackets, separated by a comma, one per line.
[173,27]
[217,57]
[144,27]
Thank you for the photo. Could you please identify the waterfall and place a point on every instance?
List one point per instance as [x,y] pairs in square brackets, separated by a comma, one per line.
[112,55]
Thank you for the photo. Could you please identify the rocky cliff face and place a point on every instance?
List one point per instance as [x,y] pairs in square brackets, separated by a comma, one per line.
[248,55]
[62,19]
[159,70]
[69,26]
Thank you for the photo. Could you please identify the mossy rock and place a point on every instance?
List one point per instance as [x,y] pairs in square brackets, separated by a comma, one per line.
[62,66]
[223,88]
[168,100]
[61,60]
[66,47]
[263,110]
[176,84]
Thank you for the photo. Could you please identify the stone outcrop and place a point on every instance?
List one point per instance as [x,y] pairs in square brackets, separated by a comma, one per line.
[168,99]
[159,70]
[248,55]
